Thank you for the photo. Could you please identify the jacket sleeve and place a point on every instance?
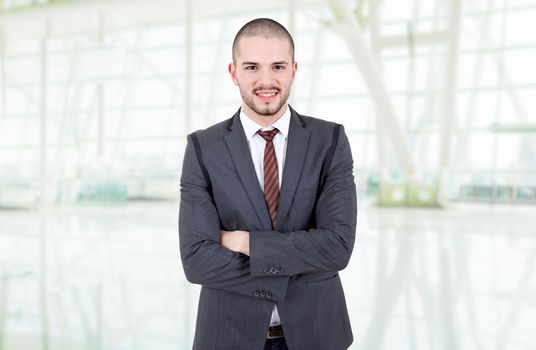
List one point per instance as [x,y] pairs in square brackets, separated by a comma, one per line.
[322,249]
[204,260]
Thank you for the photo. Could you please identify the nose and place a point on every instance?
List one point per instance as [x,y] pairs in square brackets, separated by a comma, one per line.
[266,77]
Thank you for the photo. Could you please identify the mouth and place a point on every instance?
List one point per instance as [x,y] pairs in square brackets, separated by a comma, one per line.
[266,96]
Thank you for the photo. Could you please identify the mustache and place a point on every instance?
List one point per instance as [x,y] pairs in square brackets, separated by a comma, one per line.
[266,88]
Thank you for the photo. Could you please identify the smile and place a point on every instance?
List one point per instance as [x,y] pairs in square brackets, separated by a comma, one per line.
[266,95]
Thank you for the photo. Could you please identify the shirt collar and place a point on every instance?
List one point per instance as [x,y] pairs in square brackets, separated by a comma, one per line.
[251,127]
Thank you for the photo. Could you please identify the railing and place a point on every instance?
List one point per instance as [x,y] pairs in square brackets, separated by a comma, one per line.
[507,194]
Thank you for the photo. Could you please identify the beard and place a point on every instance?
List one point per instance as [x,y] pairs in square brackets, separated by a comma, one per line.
[261,108]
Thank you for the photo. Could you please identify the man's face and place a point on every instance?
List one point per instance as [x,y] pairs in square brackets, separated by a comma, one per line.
[264,72]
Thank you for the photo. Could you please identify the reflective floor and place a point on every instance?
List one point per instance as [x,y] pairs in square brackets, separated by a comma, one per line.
[110,278]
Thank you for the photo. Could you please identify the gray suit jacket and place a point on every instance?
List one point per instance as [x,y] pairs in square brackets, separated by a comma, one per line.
[294,265]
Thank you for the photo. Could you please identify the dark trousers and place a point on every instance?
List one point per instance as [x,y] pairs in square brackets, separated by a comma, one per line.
[275,344]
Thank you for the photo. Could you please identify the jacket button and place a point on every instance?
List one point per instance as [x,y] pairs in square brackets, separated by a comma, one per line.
[263,294]
[268,295]
[273,270]
[257,293]
[280,269]
[266,270]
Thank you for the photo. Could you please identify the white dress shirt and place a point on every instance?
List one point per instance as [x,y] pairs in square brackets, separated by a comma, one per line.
[256,146]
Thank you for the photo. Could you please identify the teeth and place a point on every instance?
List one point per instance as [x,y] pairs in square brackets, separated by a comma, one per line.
[267,95]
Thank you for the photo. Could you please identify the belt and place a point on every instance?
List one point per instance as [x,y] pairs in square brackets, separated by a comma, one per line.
[275,332]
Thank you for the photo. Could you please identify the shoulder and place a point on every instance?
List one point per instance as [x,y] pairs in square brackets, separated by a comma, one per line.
[320,128]
[213,133]
[317,123]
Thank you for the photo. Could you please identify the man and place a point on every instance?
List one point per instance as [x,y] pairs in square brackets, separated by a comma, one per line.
[268,212]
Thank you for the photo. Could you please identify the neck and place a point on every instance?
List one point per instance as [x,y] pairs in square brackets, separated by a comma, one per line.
[264,120]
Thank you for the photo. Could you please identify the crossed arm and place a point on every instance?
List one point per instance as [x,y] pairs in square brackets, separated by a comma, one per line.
[238,261]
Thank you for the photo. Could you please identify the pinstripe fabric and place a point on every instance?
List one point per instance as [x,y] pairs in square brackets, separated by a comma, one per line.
[271,174]
[294,265]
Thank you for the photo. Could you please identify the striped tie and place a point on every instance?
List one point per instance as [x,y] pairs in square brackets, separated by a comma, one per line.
[271,174]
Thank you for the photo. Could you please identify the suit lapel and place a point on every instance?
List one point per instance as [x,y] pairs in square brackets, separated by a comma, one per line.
[297,143]
[241,155]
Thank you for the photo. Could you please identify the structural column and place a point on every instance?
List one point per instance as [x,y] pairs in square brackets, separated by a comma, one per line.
[449,101]
[2,72]
[43,199]
[351,33]
[3,307]
[43,117]
[188,67]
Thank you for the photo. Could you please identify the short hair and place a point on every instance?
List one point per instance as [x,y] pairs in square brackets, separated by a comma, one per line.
[265,27]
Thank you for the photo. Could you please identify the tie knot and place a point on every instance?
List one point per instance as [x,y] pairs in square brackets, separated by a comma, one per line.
[268,135]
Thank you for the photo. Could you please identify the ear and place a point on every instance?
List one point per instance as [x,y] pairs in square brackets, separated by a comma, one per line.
[232,73]
[294,69]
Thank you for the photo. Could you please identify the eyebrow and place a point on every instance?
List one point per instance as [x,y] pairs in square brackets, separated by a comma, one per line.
[256,63]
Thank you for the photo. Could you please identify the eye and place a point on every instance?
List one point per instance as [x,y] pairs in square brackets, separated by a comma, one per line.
[279,67]
[250,68]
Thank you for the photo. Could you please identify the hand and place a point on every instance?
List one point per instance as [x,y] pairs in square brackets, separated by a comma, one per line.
[237,241]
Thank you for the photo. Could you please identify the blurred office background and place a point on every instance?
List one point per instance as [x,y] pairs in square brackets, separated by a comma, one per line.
[438,99]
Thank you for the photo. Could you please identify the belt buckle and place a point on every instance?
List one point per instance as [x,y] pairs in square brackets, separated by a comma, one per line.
[275,332]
